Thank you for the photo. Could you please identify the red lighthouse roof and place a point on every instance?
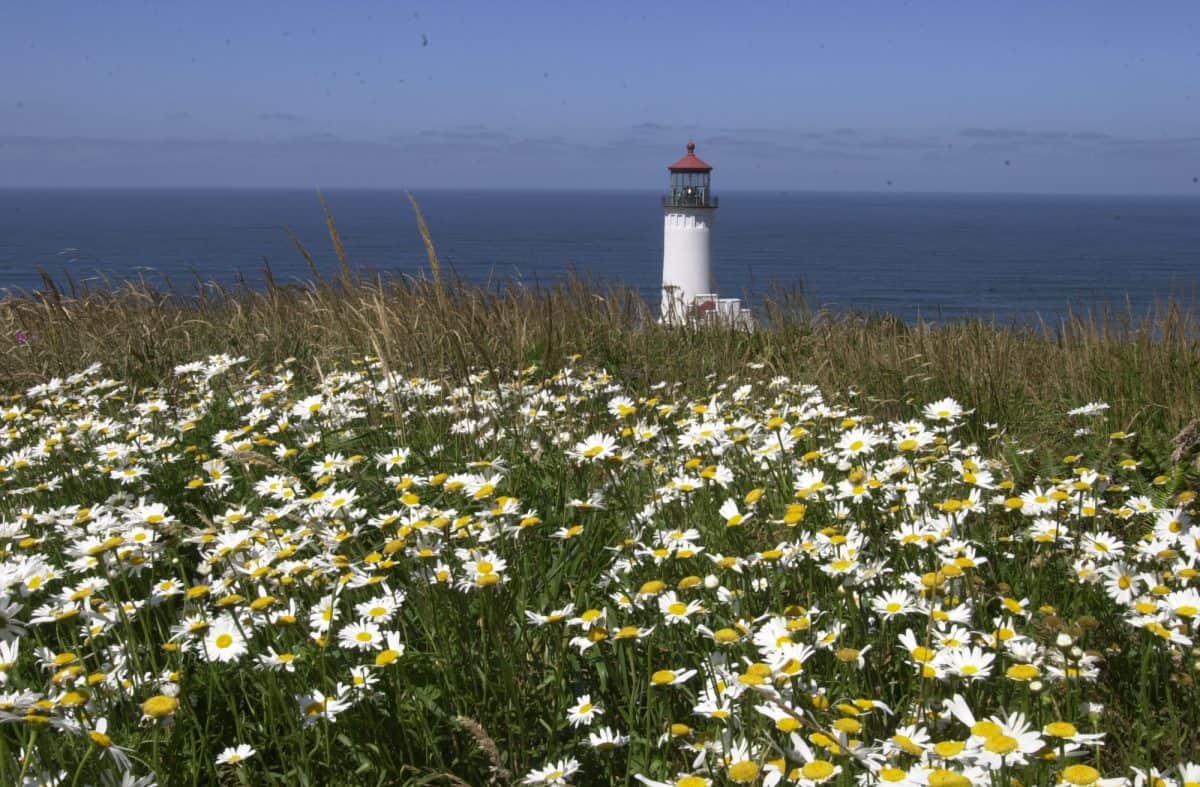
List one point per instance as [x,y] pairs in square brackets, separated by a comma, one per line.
[690,163]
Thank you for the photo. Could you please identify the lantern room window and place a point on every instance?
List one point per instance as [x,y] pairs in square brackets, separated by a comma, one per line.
[690,183]
[690,188]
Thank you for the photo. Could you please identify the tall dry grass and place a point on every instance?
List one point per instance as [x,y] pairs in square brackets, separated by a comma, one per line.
[1147,367]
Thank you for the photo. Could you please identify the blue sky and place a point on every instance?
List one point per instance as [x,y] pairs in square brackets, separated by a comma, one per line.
[1069,96]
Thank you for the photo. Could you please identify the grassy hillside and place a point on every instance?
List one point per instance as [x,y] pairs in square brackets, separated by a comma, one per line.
[418,532]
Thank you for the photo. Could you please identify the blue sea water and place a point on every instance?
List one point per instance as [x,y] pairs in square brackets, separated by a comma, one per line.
[939,256]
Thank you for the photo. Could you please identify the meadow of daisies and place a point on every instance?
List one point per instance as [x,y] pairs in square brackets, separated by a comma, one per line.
[336,574]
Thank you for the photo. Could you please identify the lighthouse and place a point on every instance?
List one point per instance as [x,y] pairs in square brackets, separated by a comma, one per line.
[688,213]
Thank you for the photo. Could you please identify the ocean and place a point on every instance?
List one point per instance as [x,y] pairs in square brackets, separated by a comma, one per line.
[932,256]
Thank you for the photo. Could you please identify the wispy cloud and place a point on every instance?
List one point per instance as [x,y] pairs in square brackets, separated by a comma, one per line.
[1004,140]
[1016,136]
[483,155]
[282,117]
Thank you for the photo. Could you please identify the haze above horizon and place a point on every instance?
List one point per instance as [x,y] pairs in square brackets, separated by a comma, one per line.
[1079,97]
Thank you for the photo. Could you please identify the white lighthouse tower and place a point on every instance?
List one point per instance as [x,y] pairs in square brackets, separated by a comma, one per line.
[688,213]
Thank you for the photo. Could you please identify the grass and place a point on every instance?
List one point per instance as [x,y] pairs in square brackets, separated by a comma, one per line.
[523,499]
[1146,366]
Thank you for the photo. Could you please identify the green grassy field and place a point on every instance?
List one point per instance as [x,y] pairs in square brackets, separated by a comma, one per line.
[414,533]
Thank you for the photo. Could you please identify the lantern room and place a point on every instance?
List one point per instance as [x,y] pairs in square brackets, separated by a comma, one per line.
[690,183]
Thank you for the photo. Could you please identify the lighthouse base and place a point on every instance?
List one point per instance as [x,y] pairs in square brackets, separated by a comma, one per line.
[706,309]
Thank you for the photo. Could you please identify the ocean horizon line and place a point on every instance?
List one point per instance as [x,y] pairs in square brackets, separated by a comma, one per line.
[1169,195]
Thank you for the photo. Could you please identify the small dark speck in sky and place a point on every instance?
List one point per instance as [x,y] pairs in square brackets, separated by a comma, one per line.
[1007,163]
[1194,180]
[889,183]
[227,42]
[545,75]
[424,40]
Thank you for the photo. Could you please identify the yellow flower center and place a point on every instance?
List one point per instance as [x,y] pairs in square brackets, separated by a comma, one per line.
[944,778]
[1061,729]
[787,724]
[1080,775]
[986,729]
[848,726]
[817,770]
[949,748]
[1000,744]
[159,706]
[743,772]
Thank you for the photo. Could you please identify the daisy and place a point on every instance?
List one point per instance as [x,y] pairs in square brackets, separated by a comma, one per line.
[1080,775]
[856,442]
[681,780]
[943,410]
[554,616]
[730,513]
[622,406]
[583,712]
[1092,408]
[235,754]
[363,635]
[159,707]
[393,650]
[308,407]
[381,609]
[224,641]
[554,773]
[675,611]
[482,570]
[1066,731]
[393,459]
[1122,583]
[1184,603]
[595,448]
[99,736]
[588,618]
[362,678]
[969,663]
[891,776]
[316,706]
[670,677]
[278,661]
[606,739]
[893,603]
[1011,744]
[1103,546]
